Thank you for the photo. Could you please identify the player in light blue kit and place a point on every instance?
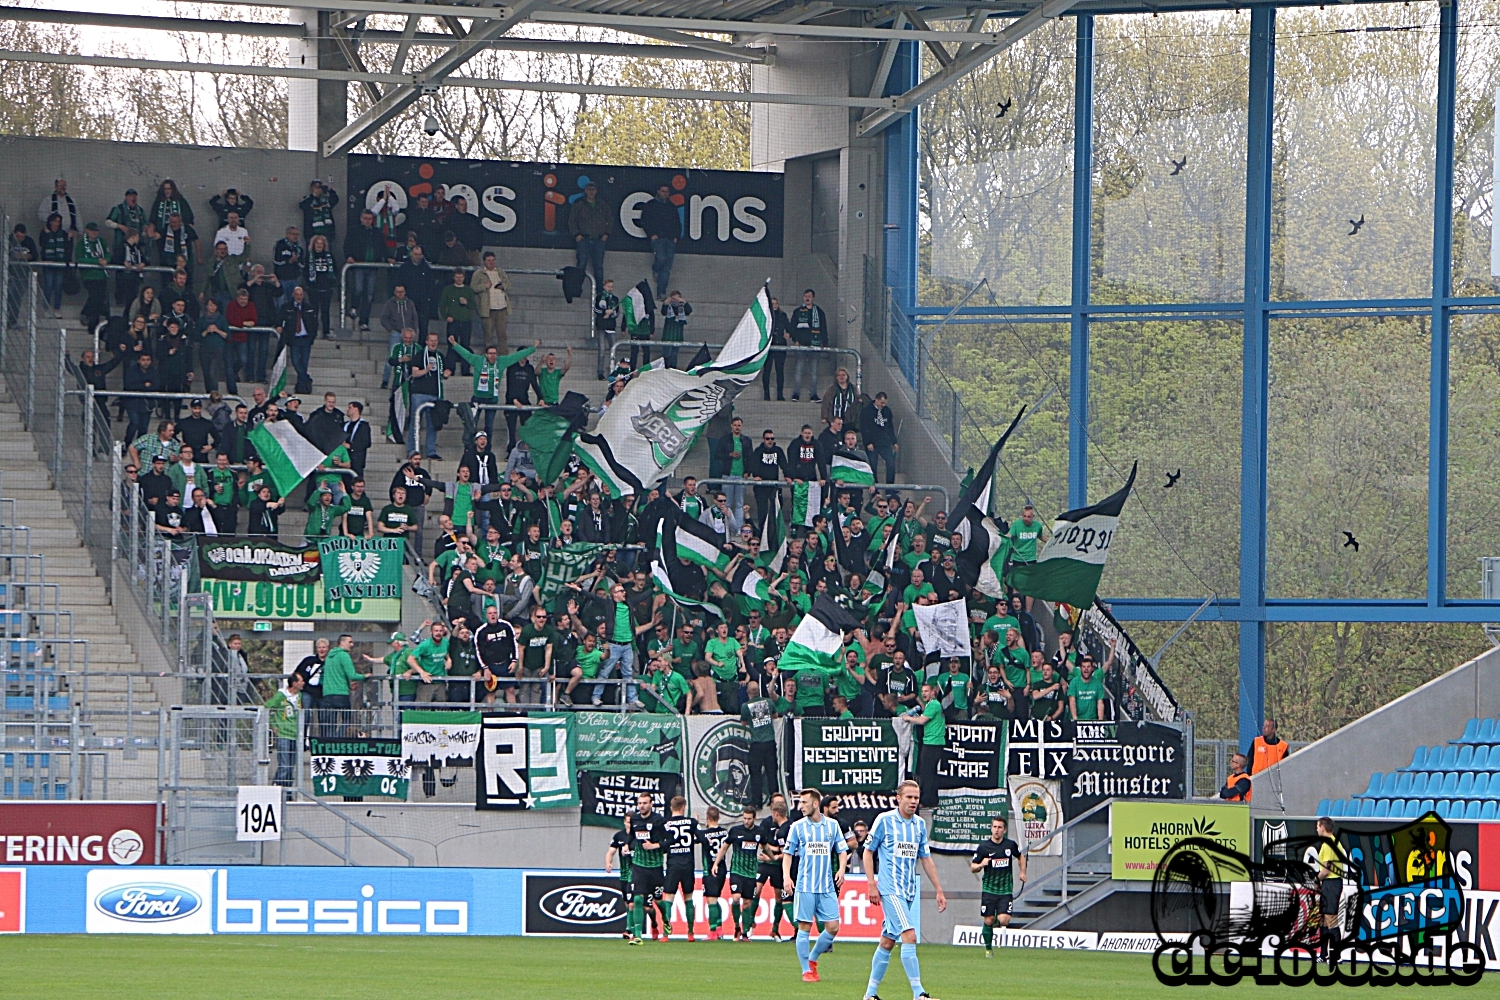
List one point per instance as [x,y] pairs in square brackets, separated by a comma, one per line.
[898,843]
[813,841]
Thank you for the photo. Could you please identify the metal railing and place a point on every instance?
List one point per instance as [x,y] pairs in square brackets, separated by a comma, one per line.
[1090,861]
[414,441]
[449,269]
[621,346]
[833,487]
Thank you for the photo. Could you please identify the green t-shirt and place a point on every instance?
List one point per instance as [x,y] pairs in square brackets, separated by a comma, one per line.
[1015,663]
[392,516]
[549,383]
[395,662]
[912,592]
[1000,624]
[465,661]
[958,686]
[686,652]
[534,642]
[622,629]
[433,656]
[671,688]
[463,503]
[811,685]
[1089,694]
[1023,539]
[726,651]
[283,712]
[759,715]
[589,661]
[358,514]
[935,730]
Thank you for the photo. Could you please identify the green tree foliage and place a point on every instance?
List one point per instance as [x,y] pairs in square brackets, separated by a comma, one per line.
[1354,137]
[654,132]
[45,100]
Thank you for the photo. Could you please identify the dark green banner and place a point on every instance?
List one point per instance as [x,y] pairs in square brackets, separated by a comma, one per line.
[256,559]
[359,767]
[638,741]
[855,755]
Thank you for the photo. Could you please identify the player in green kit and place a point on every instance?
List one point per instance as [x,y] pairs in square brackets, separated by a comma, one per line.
[647,864]
[997,861]
[619,847]
[713,840]
[741,848]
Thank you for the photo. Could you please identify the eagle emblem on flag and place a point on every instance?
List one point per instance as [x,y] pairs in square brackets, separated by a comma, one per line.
[359,567]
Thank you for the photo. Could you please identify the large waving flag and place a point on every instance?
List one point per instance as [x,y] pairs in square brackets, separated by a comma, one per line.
[747,581]
[636,311]
[819,637]
[666,568]
[986,547]
[288,456]
[1068,567]
[650,427]
[697,542]
[848,468]
[277,379]
[807,502]
[773,538]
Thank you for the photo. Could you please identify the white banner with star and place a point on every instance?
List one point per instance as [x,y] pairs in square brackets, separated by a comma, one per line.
[526,762]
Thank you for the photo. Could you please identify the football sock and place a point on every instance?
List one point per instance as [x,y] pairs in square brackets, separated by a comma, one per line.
[739,920]
[912,966]
[802,949]
[877,970]
[715,909]
[637,916]
[750,907]
[690,915]
[664,920]
[989,936]
[824,942]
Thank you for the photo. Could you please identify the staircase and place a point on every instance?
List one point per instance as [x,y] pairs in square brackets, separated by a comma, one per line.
[104,649]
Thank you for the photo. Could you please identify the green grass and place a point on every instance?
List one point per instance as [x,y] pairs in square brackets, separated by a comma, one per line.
[162,968]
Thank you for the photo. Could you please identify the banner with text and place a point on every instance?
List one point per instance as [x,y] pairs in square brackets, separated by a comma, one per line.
[607,797]
[359,767]
[440,739]
[718,768]
[1141,833]
[516,204]
[1095,761]
[962,817]
[526,762]
[256,558]
[637,741]
[841,756]
[974,756]
[362,569]
[1036,805]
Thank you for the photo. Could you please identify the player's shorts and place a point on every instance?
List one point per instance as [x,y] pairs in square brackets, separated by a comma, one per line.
[992,904]
[713,886]
[743,886]
[680,878]
[645,881]
[771,874]
[812,906]
[900,916]
[1331,889]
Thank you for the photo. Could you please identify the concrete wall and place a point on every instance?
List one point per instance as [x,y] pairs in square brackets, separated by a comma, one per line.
[1340,764]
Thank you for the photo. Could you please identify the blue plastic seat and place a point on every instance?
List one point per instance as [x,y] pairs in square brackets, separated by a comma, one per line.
[1481,759]
[1466,757]
[1426,806]
[1471,732]
[1403,784]
[1418,760]
[1471,811]
[1449,786]
[1374,787]
[1448,761]
[1323,806]
[1367,807]
[1465,788]
[1483,780]
[1388,784]
[1489,809]
[1486,731]
[1338,808]
[1382,808]
[1418,787]
[1445,808]
[1402,808]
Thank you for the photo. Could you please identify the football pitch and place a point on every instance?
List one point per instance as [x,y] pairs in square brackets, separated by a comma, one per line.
[201,968]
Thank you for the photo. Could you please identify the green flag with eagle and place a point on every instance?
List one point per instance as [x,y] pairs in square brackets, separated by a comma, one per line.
[650,427]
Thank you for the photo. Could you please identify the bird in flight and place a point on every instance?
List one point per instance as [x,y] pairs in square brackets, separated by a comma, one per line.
[1357,225]
[1172,478]
[1177,165]
[1004,106]
[1350,542]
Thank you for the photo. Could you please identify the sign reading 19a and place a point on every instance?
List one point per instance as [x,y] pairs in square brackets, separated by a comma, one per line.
[257,814]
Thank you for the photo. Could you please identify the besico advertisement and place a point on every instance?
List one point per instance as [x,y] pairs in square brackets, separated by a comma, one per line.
[584,904]
[260,900]
[78,833]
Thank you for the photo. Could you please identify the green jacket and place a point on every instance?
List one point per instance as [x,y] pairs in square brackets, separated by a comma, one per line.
[283,711]
[89,250]
[592,221]
[490,378]
[457,302]
[179,478]
[338,671]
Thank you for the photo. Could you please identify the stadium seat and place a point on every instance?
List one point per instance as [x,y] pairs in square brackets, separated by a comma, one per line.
[1374,786]
[1418,785]
[1382,808]
[1482,782]
[1465,757]
[1489,809]
[1465,789]
[1471,811]
[1418,760]
[1403,784]
[1448,787]
[1486,731]
[1471,732]
[1426,807]
[1445,808]
[1388,785]
[1367,807]
[1323,805]
[1481,758]
[1447,762]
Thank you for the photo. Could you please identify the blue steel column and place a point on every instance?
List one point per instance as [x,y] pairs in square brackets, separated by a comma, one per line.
[1253,430]
[901,184]
[1442,289]
[1083,214]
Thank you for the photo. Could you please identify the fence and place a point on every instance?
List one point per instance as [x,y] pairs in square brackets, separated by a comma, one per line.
[623,345]
[449,269]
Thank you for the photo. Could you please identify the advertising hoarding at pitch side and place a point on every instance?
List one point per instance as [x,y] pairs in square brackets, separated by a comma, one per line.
[77,833]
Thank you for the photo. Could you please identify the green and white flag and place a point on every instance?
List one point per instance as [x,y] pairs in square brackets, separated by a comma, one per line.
[748,582]
[277,379]
[807,502]
[819,637]
[367,767]
[564,565]
[440,739]
[985,547]
[650,427]
[362,569]
[1068,567]
[288,456]
[773,539]
[668,562]
[848,469]
[697,542]
[635,308]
